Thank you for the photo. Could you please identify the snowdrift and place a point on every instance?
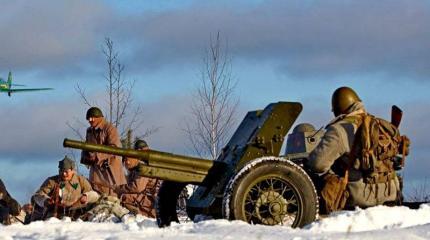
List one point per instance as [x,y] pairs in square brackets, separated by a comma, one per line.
[374,223]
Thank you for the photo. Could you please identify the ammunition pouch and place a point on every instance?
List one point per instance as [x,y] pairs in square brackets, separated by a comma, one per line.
[334,192]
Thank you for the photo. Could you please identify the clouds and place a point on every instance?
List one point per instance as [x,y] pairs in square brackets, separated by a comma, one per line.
[314,39]
[416,126]
[299,38]
[36,130]
[277,46]
[50,34]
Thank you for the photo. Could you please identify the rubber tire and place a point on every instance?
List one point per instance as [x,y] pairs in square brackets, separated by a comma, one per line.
[166,202]
[283,169]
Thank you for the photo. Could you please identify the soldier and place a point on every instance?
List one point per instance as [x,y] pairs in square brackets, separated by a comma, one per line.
[8,205]
[332,158]
[139,194]
[61,194]
[106,170]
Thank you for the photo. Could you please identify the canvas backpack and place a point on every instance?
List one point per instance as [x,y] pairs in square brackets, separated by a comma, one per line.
[377,146]
[380,149]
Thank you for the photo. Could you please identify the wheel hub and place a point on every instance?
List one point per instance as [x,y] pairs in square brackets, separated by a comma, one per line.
[271,207]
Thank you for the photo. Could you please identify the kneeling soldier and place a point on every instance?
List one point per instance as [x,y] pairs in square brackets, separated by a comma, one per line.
[139,194]
[63,194]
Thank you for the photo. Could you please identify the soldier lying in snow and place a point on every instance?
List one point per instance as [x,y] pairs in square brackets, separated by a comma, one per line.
[8,206]
[66,194]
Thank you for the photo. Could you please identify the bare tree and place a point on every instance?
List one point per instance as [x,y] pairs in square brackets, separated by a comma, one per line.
[119,102]
[214,104]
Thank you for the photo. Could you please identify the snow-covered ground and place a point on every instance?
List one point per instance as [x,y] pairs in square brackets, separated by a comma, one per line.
[373,223]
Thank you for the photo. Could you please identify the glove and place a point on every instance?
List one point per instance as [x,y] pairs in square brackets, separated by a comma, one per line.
[83,199]
[88,158]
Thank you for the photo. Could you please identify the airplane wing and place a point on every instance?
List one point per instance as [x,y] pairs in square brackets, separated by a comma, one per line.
[28,89]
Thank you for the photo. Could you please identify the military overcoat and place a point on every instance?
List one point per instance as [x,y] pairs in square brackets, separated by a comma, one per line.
[68,193]
[106,170]
[139,194]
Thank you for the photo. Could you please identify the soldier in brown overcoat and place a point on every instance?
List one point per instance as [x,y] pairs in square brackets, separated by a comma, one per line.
[106,170]
[60,193]
[139,194]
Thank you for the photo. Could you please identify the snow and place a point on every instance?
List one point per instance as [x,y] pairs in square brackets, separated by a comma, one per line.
[373,223]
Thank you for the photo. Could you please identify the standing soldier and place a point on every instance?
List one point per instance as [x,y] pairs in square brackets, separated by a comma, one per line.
[62,193]
[139,194]
[8,205]
[339,159]
[106,170]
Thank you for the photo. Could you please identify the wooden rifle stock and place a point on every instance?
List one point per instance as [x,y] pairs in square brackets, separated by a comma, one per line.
[396,115]
[56,199]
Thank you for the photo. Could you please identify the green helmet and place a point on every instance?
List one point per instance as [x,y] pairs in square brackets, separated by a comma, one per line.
[94,112]
[66,163]
[303,127]
[343,98]
[140,144]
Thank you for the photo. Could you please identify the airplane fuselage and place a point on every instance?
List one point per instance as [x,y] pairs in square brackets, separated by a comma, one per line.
[6,86]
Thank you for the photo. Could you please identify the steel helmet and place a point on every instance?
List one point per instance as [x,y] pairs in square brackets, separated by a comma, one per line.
[343,98]
[304,127]
[140,144]
[94,112]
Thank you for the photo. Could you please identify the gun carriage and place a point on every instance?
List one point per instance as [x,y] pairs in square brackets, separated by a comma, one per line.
[248,181]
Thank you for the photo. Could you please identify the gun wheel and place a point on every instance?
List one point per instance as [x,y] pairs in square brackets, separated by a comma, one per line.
[171,203]
[271,191]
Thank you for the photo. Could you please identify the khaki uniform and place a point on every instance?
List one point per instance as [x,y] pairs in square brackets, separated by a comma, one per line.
[8,205]
[101,175]
[331,154]
[139,194]
[69,194]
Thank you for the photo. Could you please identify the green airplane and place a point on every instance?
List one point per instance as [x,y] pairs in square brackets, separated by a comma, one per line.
[6,86]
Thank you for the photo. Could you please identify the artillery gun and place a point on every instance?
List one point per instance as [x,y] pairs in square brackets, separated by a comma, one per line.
[249,180]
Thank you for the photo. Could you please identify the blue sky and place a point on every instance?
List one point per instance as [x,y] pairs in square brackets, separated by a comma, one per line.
[281,51]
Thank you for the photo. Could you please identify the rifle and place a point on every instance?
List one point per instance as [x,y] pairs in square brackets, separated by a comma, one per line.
[396,115]
[54,201]
[56,198]
[396,118]
[17,219]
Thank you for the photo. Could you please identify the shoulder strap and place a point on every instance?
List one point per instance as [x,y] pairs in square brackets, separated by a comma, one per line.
[358,121]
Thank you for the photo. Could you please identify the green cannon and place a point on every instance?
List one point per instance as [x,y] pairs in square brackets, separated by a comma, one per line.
[248,181]
[156,164]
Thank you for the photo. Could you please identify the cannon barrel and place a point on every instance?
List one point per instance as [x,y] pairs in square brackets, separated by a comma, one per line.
[155,163]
